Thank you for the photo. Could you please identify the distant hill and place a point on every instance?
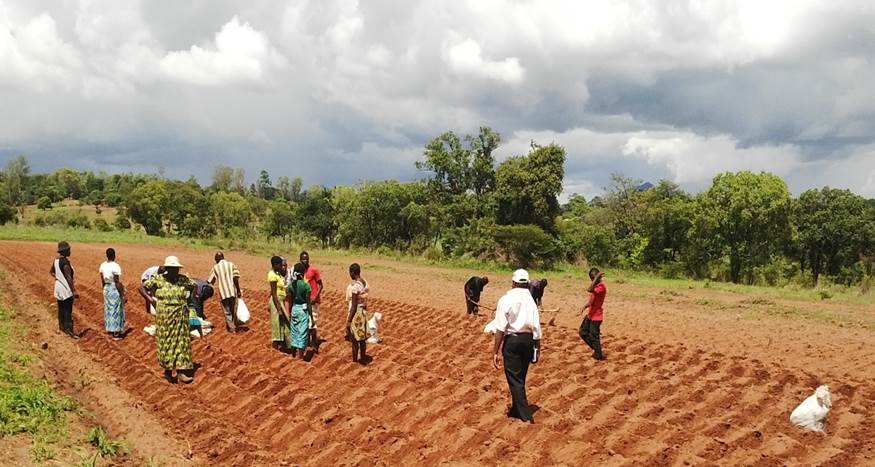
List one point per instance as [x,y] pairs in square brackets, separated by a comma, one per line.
[644,186]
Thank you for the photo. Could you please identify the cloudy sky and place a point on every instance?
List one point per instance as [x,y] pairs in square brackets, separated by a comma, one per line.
[342,91]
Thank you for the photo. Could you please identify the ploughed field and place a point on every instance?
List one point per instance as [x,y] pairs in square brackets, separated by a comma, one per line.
[690,394]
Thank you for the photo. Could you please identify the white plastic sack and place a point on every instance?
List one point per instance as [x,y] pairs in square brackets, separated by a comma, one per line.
[152,309]
[811,413]
[491,327]
[373,325]
[242,311]
[203,332]
[150,329]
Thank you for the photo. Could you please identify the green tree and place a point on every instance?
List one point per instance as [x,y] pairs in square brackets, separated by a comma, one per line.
[747,216]
[482,169]
[230,211]
[15,180]
[666,220]
[223,178]
[833,228]
[281,220]
[147,206]
[527,187]
[187,211]
[316,213]
[264,188]
[7,212]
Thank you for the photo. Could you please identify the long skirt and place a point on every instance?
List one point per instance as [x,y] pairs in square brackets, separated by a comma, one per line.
[300,326]
[113,309]
[358,328]
[279,325]
[173,338]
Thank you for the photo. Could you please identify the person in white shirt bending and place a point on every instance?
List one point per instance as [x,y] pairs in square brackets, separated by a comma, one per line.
[517,327]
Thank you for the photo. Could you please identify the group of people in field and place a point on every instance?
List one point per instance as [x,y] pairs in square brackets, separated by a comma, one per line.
[293,308]
[517,329]
[177,302]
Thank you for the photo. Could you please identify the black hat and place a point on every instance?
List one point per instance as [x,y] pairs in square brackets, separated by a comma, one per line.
[63,246]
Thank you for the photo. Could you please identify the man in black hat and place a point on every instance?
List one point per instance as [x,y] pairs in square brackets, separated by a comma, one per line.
[65,289]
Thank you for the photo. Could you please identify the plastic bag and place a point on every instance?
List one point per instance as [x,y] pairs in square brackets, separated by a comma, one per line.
[373,330]
[811,413]
[152,310]
[242,311]
[491,327]
[150,329]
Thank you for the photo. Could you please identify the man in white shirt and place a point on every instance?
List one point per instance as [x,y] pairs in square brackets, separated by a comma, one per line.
[517,327]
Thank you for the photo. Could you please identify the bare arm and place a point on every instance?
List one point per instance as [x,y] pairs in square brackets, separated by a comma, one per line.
[595,282]
[319,288]
[276,301]
[588,304]
[496,349]
[146,294]
[118,284]
[237,287]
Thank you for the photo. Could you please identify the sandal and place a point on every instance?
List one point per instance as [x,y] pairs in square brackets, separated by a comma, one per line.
[168,375]
[183,378]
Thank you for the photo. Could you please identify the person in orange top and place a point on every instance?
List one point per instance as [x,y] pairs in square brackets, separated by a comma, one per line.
[590,328]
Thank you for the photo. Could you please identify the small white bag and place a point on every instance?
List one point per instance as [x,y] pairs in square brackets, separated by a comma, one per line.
[811,413]
[242,311]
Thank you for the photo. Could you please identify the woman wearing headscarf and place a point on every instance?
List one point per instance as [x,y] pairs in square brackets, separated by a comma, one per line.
[169,293]
[299,296]
[113,296]
[65,289]
[280,326]
[357,318]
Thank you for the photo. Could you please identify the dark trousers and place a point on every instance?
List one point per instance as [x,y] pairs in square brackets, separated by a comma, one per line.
[472,308]
[229,307]
[518,351]
[65,316]
[590,332]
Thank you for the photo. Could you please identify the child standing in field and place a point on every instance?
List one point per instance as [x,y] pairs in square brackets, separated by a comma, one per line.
[590,328]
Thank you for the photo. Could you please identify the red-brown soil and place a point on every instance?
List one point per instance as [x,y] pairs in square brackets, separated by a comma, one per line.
[683,384]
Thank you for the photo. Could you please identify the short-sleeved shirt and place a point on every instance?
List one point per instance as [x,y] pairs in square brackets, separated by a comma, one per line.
[148,273]
[357,288]
[313,276]
[272,276]
[596,313]
[108,270]
[517,313]
[224,273]
[473,288]
[199,286]
[299,291]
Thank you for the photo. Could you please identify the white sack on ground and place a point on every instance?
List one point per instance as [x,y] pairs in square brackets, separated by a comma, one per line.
[811,413]
[373,328]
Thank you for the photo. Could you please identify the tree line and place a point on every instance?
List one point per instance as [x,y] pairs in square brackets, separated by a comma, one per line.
[745,228]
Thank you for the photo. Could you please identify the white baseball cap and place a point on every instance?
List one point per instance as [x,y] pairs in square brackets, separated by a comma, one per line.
[520,276]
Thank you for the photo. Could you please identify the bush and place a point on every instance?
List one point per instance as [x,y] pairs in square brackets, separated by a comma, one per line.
[44,203]
[78,220]
[101,225]
[526,245]
[121,221]
[7,213]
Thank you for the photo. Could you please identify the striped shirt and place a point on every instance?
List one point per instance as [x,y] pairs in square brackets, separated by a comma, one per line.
[224,273]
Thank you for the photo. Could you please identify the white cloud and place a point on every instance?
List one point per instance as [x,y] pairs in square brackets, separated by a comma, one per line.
[693,160]
[34,55]
[240,54]
[465,58]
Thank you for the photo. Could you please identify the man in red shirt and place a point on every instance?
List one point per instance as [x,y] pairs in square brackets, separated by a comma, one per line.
[314,278]
[590,328]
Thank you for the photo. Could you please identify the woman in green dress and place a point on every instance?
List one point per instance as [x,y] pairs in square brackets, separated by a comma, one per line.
[299,296]
[169,293]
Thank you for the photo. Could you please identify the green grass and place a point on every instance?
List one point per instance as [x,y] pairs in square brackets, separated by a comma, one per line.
[28,405]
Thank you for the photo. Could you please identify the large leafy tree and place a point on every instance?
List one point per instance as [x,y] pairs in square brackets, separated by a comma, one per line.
[147,205]
[15,175]
[527,187]
[746,216]
[316,214]
[833,229]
